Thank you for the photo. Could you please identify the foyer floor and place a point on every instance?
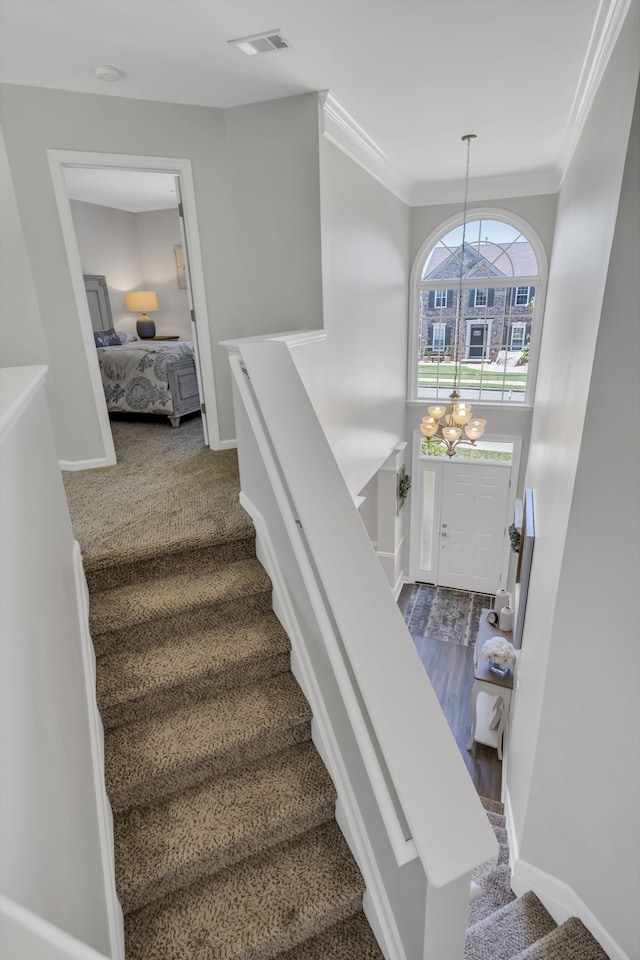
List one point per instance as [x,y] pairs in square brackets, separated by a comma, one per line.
[450,669]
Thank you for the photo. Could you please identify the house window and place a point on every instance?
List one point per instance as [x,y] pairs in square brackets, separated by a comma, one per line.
[439,299]
[439,337]
[496,272]
[480,298]
[517,336]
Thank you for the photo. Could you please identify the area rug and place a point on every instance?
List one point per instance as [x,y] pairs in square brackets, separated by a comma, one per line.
[441,613]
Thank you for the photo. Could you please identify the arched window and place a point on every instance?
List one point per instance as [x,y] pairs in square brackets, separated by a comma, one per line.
[495,332]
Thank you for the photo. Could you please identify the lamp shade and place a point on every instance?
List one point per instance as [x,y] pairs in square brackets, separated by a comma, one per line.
[142,301]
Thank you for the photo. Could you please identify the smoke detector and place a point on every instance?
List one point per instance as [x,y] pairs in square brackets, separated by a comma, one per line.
[261,43]
[106,72]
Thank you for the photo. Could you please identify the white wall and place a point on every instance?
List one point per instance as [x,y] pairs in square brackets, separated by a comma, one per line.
[108,245]
[158,233]
[356,377]
[134,251]
[49,825]
[573,743]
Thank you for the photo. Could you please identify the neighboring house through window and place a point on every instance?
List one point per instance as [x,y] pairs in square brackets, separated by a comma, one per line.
[487,332]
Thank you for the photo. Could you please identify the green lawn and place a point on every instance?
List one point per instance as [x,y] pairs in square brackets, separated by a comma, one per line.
[430,374]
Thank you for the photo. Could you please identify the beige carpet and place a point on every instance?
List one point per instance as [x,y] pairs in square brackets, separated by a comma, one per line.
[226,845]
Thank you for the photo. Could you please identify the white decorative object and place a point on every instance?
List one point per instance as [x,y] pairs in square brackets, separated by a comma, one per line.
[506,618]
[503,599]
[499,650]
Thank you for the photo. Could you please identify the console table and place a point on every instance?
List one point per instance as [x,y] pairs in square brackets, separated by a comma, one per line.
[489,713]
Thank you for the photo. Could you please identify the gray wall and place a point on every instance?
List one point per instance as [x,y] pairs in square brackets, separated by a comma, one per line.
[573,759]
[35,119]
[158,233]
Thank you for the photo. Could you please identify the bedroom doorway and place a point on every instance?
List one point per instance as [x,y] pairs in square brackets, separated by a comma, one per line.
[153,256]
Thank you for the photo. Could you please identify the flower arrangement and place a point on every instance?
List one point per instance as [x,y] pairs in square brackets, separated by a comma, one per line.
[500,651]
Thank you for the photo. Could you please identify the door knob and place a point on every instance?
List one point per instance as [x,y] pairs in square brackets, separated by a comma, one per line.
[444,524]
[444,534]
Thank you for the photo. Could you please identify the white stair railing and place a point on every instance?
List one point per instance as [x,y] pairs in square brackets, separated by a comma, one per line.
[400,777]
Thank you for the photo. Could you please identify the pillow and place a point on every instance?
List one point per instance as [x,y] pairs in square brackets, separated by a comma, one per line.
[126,337]
[106,338]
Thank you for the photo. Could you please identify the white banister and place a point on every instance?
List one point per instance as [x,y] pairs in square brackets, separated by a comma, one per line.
[431,814]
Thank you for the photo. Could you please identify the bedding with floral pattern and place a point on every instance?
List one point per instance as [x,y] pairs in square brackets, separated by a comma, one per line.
[135,378]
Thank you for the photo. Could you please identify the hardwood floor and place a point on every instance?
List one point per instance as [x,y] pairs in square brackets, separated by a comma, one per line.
[450,669]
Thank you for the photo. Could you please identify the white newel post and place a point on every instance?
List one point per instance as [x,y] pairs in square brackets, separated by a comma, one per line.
[391,517]
[446,920]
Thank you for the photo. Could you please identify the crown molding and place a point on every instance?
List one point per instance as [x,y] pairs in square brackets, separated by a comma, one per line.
[341,129]
[607,25]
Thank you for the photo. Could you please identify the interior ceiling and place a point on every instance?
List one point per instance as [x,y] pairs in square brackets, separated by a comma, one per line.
[131,190]
[414,74]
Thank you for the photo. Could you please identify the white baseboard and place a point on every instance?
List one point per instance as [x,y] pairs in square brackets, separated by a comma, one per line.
[86,464]
[96,737]
[375,903]
[223,444]
[558,897]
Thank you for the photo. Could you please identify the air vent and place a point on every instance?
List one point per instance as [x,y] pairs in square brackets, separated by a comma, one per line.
[261,43]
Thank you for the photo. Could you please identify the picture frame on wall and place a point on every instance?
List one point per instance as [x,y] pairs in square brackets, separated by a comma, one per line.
[180,266]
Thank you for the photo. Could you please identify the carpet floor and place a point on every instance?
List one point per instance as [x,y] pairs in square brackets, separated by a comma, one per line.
[226,847]
[441,613]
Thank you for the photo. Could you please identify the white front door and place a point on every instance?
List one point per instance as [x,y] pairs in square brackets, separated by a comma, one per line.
[458,522]
[472,525]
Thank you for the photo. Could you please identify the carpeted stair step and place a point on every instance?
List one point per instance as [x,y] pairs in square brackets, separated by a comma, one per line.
[570,941]
[112,610]
[169,845]
[218,653]
[497,819]
[496,884]
[351,939]
[493,806]
[509,930]
[153,758]
[111,572]
[256,909]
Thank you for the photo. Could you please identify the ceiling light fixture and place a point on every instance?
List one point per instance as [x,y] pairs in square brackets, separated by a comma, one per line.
[107,72]
[261,43]
[444,425]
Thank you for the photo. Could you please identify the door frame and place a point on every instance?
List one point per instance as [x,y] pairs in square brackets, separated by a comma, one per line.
[415,515]
[180,167]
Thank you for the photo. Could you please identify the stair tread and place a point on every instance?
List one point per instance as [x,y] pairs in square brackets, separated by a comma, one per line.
[216,647]
[496,806]
[175,843]
[570,941]
[496,884]
[118,607]
[153,751]
[351,939]
[509,930]
[262,906]
[497,819]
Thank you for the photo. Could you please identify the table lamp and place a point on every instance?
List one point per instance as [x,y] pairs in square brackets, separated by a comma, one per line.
[143,300]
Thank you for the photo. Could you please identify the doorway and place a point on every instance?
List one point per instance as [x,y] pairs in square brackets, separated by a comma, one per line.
[458,522]
[477,341]
[178,172]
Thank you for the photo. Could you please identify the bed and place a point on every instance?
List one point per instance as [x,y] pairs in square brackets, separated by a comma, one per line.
[140,376]
[150,377]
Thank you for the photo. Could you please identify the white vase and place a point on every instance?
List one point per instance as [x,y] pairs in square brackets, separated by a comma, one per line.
[505,619]
[503,599]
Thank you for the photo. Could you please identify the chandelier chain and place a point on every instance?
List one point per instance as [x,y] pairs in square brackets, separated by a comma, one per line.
[456,340]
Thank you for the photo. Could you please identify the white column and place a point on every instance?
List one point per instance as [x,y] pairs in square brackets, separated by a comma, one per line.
[390,518]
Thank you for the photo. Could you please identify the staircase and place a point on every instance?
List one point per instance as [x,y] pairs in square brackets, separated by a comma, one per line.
[501,927]
[225,839]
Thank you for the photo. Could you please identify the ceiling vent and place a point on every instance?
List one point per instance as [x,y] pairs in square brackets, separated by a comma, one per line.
[261,43]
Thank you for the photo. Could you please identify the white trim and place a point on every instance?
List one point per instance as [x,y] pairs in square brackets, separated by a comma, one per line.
[96,737]
[180,167]
[535,183]
[17,387]
[338,126]
[348,816]
[607,25]
[224,445]
[28,935]
[486,322]
[85,464]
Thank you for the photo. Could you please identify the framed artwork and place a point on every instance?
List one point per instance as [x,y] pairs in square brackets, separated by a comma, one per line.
[527,539]
[180,266]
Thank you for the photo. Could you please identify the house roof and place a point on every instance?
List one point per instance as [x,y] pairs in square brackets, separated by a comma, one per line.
[484,260]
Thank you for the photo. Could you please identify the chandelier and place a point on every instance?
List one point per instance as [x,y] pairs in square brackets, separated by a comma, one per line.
[446,424]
